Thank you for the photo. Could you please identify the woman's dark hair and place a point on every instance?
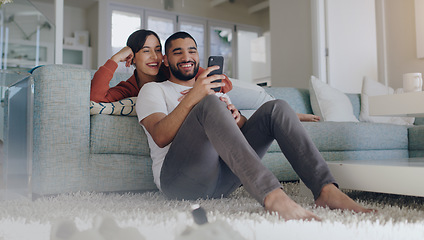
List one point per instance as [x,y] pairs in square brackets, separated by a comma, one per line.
[137,39]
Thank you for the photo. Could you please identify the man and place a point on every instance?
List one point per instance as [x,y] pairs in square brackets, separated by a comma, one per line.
[203,147]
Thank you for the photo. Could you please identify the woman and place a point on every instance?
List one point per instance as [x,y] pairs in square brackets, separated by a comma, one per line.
[144,51]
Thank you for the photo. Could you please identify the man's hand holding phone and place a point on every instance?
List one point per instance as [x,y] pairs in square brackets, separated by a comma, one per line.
[204,85]
[216,61]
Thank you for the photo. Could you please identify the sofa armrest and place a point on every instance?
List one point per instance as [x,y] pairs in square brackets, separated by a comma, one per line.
[61,128]
[419,121]
[416,141]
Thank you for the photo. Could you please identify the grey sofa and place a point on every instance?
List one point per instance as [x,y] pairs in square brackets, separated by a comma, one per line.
[73,151]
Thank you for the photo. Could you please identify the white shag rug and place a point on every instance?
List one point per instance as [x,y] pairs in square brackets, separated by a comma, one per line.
[156,218]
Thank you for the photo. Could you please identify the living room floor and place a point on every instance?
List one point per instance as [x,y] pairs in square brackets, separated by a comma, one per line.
[1,165]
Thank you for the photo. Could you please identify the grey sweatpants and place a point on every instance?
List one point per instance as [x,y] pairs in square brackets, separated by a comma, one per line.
[210,156]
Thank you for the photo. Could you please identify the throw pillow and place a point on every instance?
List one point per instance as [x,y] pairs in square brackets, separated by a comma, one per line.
[329,103]
[374,88]
[124,107]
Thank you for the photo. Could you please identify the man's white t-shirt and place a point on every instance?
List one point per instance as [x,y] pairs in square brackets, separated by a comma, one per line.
[159,98]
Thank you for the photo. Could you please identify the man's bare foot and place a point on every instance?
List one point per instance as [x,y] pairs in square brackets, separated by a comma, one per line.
[333,198]
[277,201]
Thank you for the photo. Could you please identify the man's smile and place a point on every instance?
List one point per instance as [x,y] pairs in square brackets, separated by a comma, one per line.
[187,66]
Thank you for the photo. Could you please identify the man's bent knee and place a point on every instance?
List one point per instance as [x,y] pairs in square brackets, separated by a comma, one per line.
[277,104]
[210,102]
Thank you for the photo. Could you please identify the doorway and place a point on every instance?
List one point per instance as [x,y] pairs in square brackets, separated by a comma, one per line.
[344,42]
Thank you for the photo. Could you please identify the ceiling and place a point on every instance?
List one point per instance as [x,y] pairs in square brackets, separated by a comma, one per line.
[73,3]
[253,5]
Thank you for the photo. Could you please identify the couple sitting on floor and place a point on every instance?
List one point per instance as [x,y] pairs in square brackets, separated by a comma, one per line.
[201,146]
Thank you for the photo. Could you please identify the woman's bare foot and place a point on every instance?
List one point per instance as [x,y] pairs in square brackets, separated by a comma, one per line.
[333,198]
[277,201]
[308,117]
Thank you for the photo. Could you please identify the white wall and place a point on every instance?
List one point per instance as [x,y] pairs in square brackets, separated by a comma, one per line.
[291,47]
[93,27]
[401,41]
[291,43]
[352,43]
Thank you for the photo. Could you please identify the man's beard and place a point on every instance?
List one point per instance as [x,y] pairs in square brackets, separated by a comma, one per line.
[179,75]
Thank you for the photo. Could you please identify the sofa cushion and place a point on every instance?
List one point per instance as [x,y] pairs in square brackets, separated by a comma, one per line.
[355,99]
[117,134]
[374,88]
[416,141]
[419,121]
[124,107]
[329,103]
[342,136]
[297,98]
[345,136]
[119,172]
[117,76]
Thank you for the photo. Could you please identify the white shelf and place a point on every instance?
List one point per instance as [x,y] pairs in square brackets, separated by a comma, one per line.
[22,53]
[79,56]
[405,104]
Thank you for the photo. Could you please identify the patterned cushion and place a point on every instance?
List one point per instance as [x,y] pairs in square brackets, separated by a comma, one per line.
[124,107]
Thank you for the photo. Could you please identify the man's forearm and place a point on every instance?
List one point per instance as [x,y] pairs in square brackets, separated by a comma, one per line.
[163,128]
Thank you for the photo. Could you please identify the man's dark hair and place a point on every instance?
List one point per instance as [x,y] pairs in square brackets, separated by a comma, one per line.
[137,39]
[175,36]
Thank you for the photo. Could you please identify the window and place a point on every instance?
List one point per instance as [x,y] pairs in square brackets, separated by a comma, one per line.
[221,39]
[244,49]
[123,24]
[212,37]
[197,30]
[161,24]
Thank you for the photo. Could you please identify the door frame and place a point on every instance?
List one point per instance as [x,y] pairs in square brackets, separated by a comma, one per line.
[319,41]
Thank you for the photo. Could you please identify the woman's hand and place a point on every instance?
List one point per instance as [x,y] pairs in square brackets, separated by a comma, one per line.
[124,55]
[240,119]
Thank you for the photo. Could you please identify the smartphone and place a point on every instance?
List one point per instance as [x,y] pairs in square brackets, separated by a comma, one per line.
[213,61]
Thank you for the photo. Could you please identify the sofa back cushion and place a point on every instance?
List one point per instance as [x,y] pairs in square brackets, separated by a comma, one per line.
[117,77]
[419,121]
[355,99]
[111,134]
[297,98]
